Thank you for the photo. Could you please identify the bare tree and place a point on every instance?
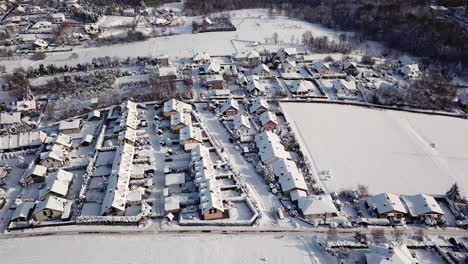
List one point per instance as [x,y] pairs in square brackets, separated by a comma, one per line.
[275,38]
[397,234]
[363,190]
[378,235]
[419,234]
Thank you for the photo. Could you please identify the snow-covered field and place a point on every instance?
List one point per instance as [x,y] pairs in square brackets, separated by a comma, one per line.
[115,21]
[389,151]
[161,248]
[252,25]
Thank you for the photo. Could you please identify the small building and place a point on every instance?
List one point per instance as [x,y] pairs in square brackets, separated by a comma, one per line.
[269,121]
[167,73]
[54,158]
[58,18]
[258,106]
[128,136]
[317,207]
[172,204]
[230,108]
[345,87]
[57,184]
[87,140]
[247,58]
[71,126]
[242,128]
[40,44]
[288,66]
[64,140]
[190,136]
[41,26]
[387,205]
[212,68]
[26,106]
[301,87]
[23,212]
[262,71]
[292,181]
[350,67]
[410,71]
[211,201]
[163,60]
[35,174]
[286,53]
[180,120]
[321,68]
[201,58]
[94,115]
[422,206]
[175,180]
[28,140]
[254,86]
[10,118]
[92,29]
[173,106]
[215,82]
[50,209]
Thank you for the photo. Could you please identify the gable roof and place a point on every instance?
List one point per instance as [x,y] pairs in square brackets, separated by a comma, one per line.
[190,132]
[181,118]
[175,105]
[292,181]
[268,116]
[421,204]
[57,183]
[317,205]
[253,83]
[53,203]
[259,103]
[386,203]
[241,121]
[384,255]
[270,147]
[230,103]
[302,86]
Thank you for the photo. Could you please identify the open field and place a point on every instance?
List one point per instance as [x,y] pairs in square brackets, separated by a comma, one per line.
[388,151]
[161,249]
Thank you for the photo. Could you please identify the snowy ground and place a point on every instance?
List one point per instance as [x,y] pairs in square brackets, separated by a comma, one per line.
[252,25]
[163,249]
[389,151]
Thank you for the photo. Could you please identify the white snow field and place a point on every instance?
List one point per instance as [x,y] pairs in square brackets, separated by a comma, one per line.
[160,248]
[252,25]
[389,151]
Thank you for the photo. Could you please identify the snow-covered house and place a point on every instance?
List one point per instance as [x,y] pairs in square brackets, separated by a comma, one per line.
[20,141]
[269,121]
[350,67]
[242,128]
[190,136]
[241,79]
[288,66]
[286,53]
[175,180]
[317,207]
[345,87]
[201,58]
[410,71]
[71,126]
[292,181]
[127,136]
[211,68]
[215,82]
[65,141]
[57,184]
[301,87]
[41,26]
[10,118]
[247,58]
[423,206]
[180,120]
[321,68]
[94,115]
[282,166]
[162,60]
[259,105]
[384,255]
[387,205]
[166,73]
[49,209]
[211,201]
[92,29]
[58,17]
[26,105]
[270,148]
[254,86]
[35,174]
[23,212]
[40,44]
[55,157]
[230,107]
[173,106]
[262,71]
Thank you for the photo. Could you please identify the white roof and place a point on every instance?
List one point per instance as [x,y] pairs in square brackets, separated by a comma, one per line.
[63,140]
[249,54]
[28,139]
[171,203]
[210,196]
[283,166]
[270,147]
[58,15]
[259,103]
[53,203]
[22,210]
[253,83]
[93,114]
[212,67]
[317,205]
[73,124]
[57,152]
[175,105]
[175,178]
[421,204]
[129,116]
[10,118]
[345,84]
[386,203]
[319,65]
[25,105]
[167,71]
[302,86]
[395,255]
[286,52]
[37,170]
[291,181]
[288,64]
[297,194]
[241,121]
[230,103]
[214,77]
[348,63]
[260,68]
[57,183]
[201,56]
[268,116]
[190,132]
[181,118]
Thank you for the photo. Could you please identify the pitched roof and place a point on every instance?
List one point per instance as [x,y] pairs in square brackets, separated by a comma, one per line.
[230,103]
[258,104]
[268,116]
[181,118]
[57,183]
[22,210]
[53,203]
[421,204]
[386,203]
[10,118]
[175,178]
[346,84]
[241,121]
[72,124]
[291,181]
[270,147]
[317,205]
[175,105]
[37,170]
[210,196]
[302,86]
[395,255]
[201,56]
[22,140]
[253,83]
[190,132]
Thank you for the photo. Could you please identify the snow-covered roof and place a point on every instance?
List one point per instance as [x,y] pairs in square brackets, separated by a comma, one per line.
[73,124]
[175,178]
[349,64]
[128,134]
[41,24]
[210,196]
[37,170]
[213,67]
[172,105]
[253,83]
[385,255]
[249,54]
[297,194]
[410,70]
[283,166]
[201,56]
[386,203]
[292,181]
[214,78]
[270,147]
[345,84]
[166,71]
[57,152]
[241,121]
[288,64]
[94,114]
[181,118]
[319,65]
[22,211]
[172,203]
[22,140]
[317,205]
[267,117]
[57,183]
[286,52]
[58,15]
[302,86]
[260,68]
[259,103]
[63,140]
[230,103]
[119,179]
[25,105]
[10,118]
[421,204]
[52,203]
[190,132]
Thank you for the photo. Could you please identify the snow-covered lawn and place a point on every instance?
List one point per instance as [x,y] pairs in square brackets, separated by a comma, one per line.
[115,21]
[161,248]
[389,151]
